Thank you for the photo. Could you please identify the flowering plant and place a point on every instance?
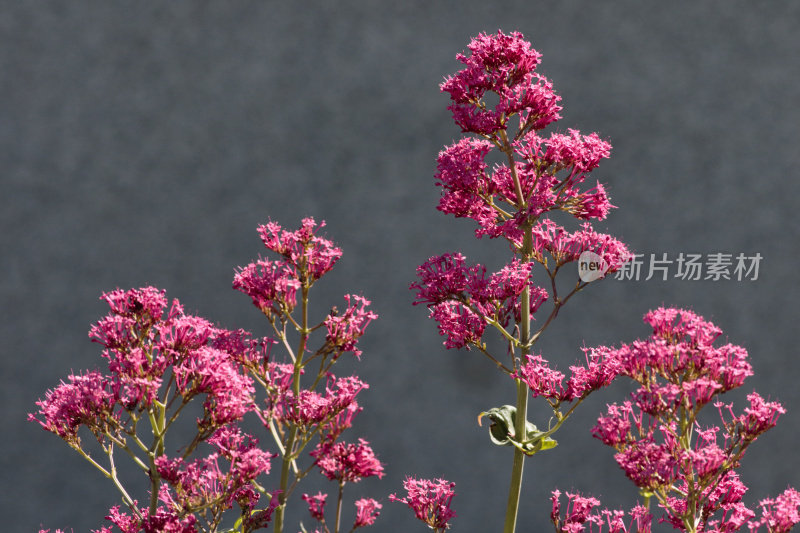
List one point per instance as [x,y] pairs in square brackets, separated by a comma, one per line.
[162,362]
[539,175]
[687,467]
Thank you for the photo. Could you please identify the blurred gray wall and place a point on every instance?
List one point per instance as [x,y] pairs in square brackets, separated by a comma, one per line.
[143,142]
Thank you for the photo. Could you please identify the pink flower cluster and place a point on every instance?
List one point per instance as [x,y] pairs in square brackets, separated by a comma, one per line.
[345,330]
[162,520]
[308,254]
[331,412]
[581,514]
[161,359]
[345,462]
[779,515]
[85,401]
[659,441]
[305,258]
[543,380]
[565,247]
[430,500]
[194,485]
[367,510]
[549,178]
[541,174]
[462,298]
[504,65]
[146,348]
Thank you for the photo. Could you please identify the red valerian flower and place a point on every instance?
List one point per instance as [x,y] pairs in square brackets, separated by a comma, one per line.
[347,462]
[367,511]
[430,500]
[302,250]
[316,505]
[86,400]
[345,330]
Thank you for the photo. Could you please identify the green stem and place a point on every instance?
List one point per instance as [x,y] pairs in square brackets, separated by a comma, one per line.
[339,507]
[158,423]
[289,451]
[512,506]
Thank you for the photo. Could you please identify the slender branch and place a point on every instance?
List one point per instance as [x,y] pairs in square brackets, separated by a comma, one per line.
[281,334]
[113,475]
[500,365]
[339,507]
[92,461]
[124,446]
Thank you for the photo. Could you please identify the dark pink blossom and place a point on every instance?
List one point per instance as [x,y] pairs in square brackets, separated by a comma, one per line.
[760,416]
[183,333]
[163,520]
[462,298]
[303,250]
[247,460]
[615,428]
[574,150]
[345,330]
[141,342]
[565,246]
[244,349]
[462,167]
[444,277]
[459,324]
[229,392]
[593,203]
[543,380]
[430,501]
[502,64]
[316,505]
[145,305]
[347,462]
[779,515]
[602,367]
[334,409]
[86,400]
[660,444]
[125,522]
[504,290]
[578,512]
[367,511]
[648,464]
[203,481]
[270,284]
[582,512]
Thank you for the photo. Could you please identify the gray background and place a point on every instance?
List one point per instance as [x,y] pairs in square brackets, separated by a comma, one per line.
[142,143]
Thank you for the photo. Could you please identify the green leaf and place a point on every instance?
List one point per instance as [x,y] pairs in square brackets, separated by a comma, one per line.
[502,432]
